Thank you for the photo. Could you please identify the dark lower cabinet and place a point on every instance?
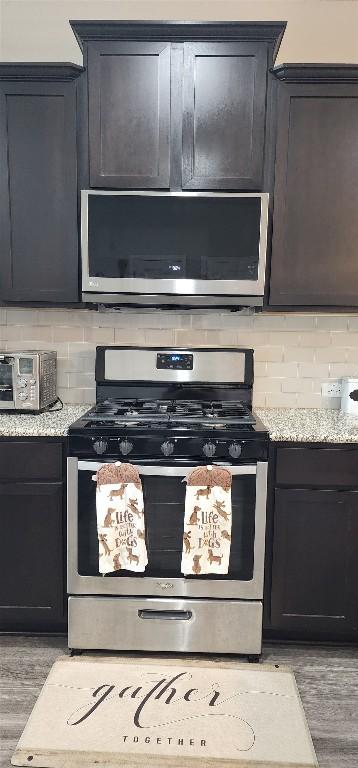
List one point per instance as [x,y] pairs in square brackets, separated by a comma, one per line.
[314,566]
[311,583]
[32,553]
[38,183]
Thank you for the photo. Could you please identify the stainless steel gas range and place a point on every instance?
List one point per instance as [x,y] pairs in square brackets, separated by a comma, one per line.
[168,411]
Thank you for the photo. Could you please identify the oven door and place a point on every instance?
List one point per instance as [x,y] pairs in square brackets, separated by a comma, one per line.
[164,499]
[7,389]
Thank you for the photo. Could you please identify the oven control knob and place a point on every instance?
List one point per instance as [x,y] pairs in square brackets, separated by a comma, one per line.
[23,396]
[209,450]
[21,383]
[235,450]
[167,448]
[100,446]
[125,447]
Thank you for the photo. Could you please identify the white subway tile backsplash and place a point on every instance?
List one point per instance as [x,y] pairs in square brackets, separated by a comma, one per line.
[294,353]
[298,385]
[281,400]
[310,401]
[352,355]
[282,370]
[269,354]
[299,322]
[337,370]
[67,333]
[331,354]
[299,354]
[99,335]
[10,333]
[315,339]
[43,333]
[345,339]
[313,370]
[267,384]
[332,322]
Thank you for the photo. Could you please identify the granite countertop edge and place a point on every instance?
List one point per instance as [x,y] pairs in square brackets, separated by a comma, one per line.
[308,425]
[300,425]
[47,424]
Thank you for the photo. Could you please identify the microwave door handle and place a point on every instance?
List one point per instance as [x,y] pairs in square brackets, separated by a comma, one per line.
[170,471]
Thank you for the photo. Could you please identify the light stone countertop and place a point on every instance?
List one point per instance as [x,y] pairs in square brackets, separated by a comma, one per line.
[47,424]
[309,425]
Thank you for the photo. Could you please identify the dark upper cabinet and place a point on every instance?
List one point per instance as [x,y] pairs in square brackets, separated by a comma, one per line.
[175,105]
[315,223]
[38,183]
[224,98]
[129,114]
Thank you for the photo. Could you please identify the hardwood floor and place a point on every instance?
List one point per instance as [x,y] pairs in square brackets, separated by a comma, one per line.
[327,678]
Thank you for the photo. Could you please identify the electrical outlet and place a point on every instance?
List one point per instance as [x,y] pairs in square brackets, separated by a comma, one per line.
[331,389]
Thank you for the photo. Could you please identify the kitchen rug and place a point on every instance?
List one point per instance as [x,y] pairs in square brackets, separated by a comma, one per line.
[104,711]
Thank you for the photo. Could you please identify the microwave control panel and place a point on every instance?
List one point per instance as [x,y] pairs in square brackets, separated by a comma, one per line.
[174,361]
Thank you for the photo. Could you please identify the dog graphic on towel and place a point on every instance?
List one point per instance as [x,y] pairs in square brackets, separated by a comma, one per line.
[207,522]
[120,519]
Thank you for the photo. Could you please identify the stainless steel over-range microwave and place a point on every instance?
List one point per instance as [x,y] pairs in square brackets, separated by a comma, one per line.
[198,249]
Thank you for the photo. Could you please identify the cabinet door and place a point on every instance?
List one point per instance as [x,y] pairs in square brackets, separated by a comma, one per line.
[31,556]
[224,94]
[38,192]
[315,222]
[314,569]
[129,114]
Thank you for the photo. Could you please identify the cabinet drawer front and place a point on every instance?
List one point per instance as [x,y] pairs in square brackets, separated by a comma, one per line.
[34,460]
[317,467]
[115,623]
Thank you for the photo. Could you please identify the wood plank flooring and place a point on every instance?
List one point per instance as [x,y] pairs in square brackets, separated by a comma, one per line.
[327,678]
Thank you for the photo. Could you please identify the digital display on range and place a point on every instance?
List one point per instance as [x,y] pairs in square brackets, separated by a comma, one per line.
[174,361]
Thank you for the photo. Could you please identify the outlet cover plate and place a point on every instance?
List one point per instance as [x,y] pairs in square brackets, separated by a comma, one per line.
[331,389]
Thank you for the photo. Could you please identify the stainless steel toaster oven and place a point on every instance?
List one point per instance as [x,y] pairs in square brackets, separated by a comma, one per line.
[27,380]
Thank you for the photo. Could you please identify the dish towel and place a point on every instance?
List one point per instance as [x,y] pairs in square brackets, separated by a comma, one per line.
[120,518]
[207,521]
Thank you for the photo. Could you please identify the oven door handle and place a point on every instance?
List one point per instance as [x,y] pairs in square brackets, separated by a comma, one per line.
[171,471]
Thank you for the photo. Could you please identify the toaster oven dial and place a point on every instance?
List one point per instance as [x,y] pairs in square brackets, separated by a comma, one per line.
[100,446]
[125,447]
[167,448]
[21,383]
[209,450]
[235,450]
[23,395]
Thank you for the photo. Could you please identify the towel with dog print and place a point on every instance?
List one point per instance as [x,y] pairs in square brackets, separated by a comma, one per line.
[120,519]
[207,522]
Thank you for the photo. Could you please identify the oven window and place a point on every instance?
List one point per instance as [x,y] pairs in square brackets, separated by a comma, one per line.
[159,237]
[6,388]
[164,515]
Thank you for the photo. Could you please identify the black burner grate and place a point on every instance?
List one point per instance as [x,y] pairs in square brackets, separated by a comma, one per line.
[142,412]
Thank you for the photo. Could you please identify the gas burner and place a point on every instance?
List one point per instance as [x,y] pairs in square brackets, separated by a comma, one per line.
[196,412]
